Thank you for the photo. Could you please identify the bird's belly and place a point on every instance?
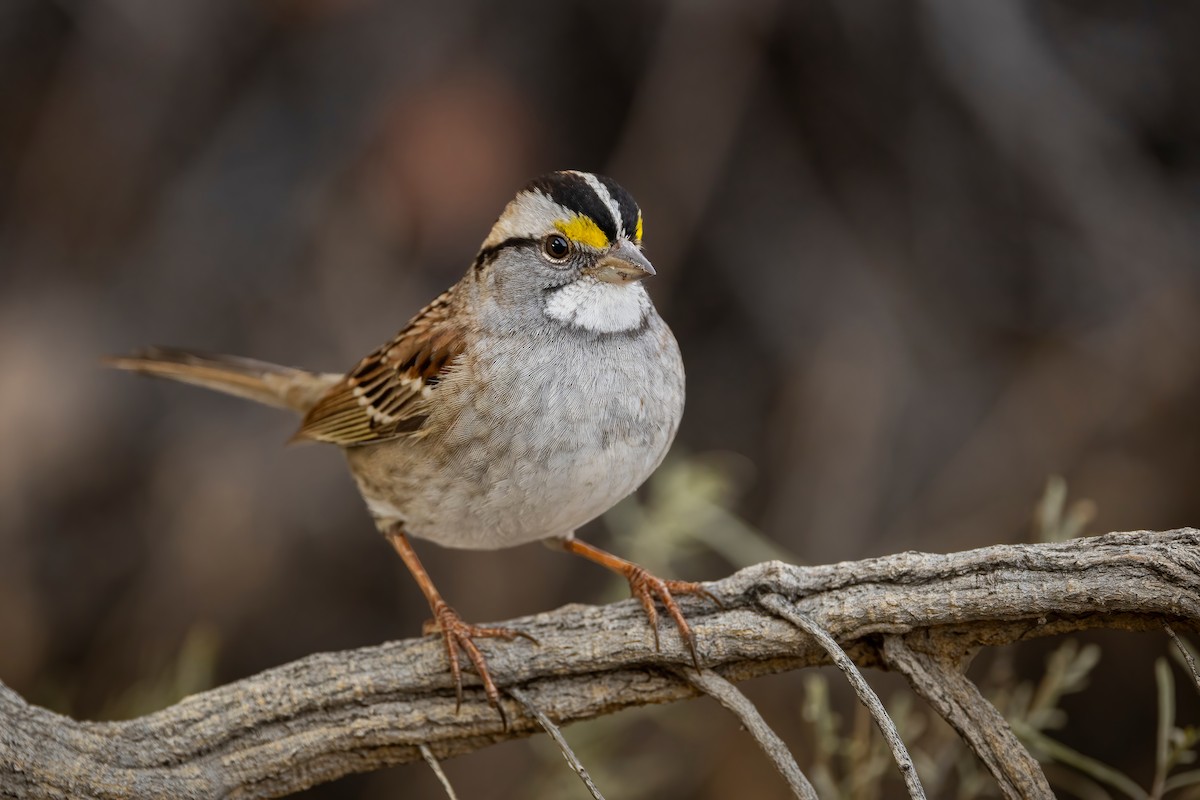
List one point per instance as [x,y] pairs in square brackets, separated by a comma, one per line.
[538,497]
[529,460]
[543,476]
[497,493]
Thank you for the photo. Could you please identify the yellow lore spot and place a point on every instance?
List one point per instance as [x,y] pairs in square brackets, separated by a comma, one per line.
[583,230]
[637,229]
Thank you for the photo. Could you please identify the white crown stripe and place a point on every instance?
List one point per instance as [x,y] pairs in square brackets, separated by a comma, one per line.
[605,197]
[527,216]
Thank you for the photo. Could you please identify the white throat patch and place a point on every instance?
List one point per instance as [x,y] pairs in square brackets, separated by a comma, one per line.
[599,307]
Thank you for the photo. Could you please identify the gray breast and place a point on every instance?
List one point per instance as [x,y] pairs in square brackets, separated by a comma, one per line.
[531,440]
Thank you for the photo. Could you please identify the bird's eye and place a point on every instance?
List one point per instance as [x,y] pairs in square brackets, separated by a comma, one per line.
[556,247]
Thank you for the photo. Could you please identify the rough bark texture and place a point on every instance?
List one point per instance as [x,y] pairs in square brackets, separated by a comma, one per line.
[938,679]
[336,713]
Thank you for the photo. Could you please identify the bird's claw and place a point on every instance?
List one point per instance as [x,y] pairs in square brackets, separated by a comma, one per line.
[646,587]
[458,635]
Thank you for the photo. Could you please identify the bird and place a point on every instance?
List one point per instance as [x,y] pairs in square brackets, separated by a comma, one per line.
[521,403]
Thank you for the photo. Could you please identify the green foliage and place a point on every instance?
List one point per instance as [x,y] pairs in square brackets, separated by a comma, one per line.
[1054,520]
[853,764]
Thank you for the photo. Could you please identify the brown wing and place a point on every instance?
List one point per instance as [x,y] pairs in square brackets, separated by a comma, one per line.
[386,395]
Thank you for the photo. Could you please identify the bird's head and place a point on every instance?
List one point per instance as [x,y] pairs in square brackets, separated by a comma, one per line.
[570,243]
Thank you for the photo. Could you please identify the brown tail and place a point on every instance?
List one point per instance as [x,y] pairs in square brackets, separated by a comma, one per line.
[283,387]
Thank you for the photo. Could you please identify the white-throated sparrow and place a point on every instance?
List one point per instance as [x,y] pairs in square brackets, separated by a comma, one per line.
[524,401]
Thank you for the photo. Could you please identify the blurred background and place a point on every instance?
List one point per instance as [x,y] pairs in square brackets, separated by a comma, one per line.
[920,257]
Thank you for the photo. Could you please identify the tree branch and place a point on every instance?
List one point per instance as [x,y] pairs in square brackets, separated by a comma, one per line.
[938,678]
[332,714]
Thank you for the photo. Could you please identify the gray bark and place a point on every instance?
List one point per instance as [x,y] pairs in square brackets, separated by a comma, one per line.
[332,714]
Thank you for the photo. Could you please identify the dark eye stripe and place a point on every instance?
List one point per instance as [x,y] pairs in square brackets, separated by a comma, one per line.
[488,254]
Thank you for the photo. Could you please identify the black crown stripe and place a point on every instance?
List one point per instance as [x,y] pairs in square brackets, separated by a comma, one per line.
[625,203]
[573,192]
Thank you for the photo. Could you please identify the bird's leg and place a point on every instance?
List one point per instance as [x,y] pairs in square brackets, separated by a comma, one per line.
[455,633]
[645,587]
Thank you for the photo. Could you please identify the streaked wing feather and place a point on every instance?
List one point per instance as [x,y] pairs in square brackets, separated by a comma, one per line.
[386,394]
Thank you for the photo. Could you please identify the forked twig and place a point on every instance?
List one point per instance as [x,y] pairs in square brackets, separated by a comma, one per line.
[432,761]
[780,607]
[555,734]
[977,721]
[728,695]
